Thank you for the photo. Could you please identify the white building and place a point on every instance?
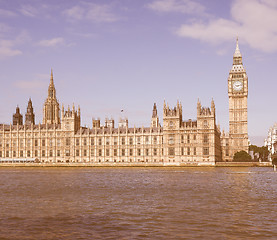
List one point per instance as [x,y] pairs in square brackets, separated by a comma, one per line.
[271,141]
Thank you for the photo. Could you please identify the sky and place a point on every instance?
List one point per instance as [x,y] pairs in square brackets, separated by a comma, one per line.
[114,55]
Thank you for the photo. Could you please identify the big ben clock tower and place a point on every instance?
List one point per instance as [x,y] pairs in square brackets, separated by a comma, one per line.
[238,93]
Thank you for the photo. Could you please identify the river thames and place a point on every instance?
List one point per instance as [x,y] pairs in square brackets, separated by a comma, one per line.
[138,203]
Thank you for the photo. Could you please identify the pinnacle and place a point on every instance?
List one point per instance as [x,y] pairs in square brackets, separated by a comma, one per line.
[237,51]
[51,78]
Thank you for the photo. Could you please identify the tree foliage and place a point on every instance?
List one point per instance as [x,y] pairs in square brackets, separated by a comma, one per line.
[262,151]
[242,156]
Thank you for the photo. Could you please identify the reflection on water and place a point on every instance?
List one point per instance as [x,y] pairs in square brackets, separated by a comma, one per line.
[138,203]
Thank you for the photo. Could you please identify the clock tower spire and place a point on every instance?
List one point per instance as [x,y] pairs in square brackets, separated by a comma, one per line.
[237,58]
[238,94]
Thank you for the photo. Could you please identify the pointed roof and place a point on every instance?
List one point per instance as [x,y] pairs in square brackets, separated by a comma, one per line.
[154,114]
[198,102]
[51,87]
[237,51]
[51,78]
[17,109]
[30,104]
[237,60]
[212,105]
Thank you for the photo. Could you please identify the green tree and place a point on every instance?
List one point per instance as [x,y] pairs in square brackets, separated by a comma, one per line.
[262,151]
[242,156]
[254,148]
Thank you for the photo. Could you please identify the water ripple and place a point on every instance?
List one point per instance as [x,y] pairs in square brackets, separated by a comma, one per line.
[138,203]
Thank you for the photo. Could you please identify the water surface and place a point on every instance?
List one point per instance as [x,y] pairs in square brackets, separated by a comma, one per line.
[138,203]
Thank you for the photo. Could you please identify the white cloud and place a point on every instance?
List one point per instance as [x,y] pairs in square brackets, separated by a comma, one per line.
[216,31]
[4,28]
[28,11]
[6,49]
[39,10]
[182,6]
[272,3]
[254,21]
[52,42]
[81,34]
[40,81]
[22,38]
[7,13]
[75,13]
[221,52]
[90,11]
[34,84]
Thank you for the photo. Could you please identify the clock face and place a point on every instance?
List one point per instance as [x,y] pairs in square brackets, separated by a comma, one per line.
[237,85]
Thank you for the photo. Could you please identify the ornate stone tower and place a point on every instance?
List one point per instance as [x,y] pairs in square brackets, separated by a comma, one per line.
[71,119]
[206,116]
[155,118]
[172,123]
[238,93]
[51,110]
[30,116]
[17,117]
[172,118]
[208,133]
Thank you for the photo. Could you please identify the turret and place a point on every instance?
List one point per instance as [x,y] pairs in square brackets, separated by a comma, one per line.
[172,117]
[95,123]
[123,123]
[213,107]
[155,118]
[109,123]
[206,115]
[17,117]
[70,119]
[154,112]
[198,107]
[30,116]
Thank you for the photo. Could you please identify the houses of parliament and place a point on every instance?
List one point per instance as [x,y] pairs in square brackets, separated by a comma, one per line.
[61,138]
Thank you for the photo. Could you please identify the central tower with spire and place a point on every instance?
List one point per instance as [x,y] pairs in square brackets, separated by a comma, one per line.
[238,94]
[51,109]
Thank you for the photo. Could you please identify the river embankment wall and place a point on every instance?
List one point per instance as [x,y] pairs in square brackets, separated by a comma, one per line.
[218,164]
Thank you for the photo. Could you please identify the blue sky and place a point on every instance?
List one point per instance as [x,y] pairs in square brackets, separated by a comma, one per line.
[128,54]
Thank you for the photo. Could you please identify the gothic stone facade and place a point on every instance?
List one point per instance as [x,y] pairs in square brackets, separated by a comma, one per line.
[61,138]
[178,142]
